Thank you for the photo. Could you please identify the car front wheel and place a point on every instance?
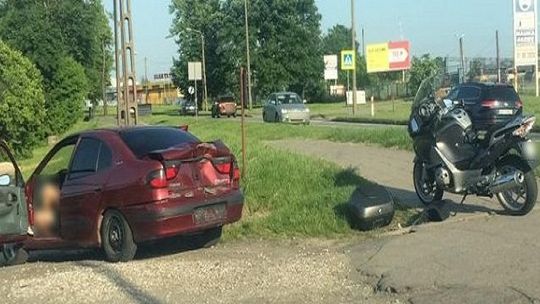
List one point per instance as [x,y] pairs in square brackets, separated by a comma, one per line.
[117,238]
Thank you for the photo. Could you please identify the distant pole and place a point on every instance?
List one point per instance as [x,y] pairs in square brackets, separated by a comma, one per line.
[103,87]
[498,56]
[146,80]
[462,55]
[353,29]
[248,57]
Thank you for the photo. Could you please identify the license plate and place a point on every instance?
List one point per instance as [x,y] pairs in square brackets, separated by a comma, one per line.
[506,112]
[210,214]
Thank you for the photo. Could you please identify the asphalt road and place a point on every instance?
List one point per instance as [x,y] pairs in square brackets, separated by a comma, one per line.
[474,257]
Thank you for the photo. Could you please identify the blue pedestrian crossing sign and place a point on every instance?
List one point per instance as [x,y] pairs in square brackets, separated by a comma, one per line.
[348,60]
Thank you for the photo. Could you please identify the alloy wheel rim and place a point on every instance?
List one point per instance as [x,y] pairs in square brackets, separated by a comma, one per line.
[516,198]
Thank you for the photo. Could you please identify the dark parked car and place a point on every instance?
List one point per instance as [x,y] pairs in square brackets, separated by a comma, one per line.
[188,108]
[488,104]
[116,188]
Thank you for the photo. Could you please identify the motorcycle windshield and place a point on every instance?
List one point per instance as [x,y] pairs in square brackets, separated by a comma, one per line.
[431,89]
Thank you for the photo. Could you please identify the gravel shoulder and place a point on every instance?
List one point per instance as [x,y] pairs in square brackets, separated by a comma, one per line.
[306,271]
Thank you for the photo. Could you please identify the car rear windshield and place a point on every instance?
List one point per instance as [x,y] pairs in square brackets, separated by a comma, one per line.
[503,94]
[143,141]
[226,99]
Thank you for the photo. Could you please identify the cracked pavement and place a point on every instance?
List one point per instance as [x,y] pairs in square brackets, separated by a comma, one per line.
[476,257]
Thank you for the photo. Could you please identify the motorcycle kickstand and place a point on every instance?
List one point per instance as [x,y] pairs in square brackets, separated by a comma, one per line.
[460,204]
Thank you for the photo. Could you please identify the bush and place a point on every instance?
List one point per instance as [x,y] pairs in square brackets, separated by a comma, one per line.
[66,94]
[22,104]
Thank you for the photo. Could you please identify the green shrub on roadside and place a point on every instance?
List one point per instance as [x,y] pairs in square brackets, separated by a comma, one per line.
[22,104]
[66,95]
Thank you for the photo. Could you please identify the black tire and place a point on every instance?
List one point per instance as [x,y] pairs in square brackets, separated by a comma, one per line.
[264,116]
[234,115]
[209,238]
[276,119]
[528,192]
[426,196]
[117,238]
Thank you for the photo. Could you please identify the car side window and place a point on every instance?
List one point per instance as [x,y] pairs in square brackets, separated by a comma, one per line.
[105,158]
[59,162]
[85,159]
[272,100]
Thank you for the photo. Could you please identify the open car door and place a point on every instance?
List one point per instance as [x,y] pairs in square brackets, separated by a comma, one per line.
[13,206]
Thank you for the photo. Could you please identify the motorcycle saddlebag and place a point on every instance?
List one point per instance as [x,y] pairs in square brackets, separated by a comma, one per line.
[371,207]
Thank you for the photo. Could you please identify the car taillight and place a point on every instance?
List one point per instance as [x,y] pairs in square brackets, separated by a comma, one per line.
[171,173]
[490,103]
[223,165]
[236,173]
[519,104]
[157,179]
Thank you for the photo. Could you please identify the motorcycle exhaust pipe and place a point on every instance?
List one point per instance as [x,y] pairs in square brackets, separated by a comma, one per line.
[507,182]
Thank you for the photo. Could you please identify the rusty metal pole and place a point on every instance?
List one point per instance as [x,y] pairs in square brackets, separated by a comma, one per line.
[243,95]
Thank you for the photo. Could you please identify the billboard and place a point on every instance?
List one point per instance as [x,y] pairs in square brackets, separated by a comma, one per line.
[330,67]
[348,60]
[390,56]
[525,33]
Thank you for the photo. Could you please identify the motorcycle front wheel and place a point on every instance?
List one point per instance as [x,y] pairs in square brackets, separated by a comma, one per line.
[520,200]
[425,186]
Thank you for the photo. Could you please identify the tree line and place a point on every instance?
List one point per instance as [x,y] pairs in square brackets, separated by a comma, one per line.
[286,42]
[55,55]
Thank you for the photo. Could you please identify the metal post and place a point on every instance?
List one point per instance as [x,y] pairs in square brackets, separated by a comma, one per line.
[248,57]
[103,87]
[119,96]
[363,43]
[354,50]
[204,72]
[196,100]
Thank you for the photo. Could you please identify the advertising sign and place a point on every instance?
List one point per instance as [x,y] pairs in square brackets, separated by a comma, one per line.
[525,33]
[348,60]
[391,56]
[330,67]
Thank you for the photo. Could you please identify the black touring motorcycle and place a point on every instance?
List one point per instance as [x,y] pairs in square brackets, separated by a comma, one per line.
[451,156]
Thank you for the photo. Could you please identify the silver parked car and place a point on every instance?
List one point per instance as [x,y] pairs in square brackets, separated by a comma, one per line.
[286,107]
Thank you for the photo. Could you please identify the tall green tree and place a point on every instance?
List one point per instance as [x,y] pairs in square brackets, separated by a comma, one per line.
[284,39]
[423,67]
[22,104]
[48,31]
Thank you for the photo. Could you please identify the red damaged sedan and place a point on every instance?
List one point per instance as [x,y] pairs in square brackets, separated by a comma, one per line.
[116,188]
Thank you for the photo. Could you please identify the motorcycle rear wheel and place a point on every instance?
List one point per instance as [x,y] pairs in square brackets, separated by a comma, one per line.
[519,201]
[425,187]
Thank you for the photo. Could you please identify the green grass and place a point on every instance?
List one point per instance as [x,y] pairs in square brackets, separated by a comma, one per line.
[287,195]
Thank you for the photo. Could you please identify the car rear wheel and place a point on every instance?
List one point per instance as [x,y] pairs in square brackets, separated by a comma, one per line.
[117,238]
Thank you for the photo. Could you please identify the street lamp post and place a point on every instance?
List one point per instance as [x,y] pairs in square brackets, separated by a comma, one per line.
[203,65]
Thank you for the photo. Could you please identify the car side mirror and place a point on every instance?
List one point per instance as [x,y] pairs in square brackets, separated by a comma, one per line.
[5,180]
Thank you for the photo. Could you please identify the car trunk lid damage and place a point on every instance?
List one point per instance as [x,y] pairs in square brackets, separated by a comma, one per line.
[211,166]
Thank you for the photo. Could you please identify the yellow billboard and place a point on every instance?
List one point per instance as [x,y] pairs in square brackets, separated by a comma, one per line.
[377,57]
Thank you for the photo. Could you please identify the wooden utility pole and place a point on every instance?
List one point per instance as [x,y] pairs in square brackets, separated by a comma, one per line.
[353,29]
[103,86]
[243,92]
[498,56]
[126,80]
